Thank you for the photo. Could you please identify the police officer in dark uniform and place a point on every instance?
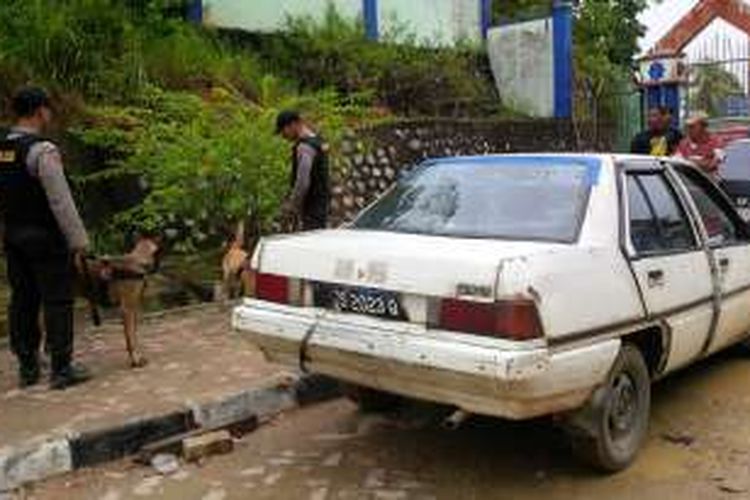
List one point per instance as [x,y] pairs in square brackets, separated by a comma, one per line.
[310,189]
[43,234]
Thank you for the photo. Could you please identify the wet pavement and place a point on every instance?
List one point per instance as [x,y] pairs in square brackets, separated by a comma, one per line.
[699,448]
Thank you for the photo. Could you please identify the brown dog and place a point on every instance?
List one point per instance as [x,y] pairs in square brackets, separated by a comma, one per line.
[121,281]
[235,276]
[239,248]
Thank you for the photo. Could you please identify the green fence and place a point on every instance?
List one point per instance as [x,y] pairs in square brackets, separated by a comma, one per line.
[629,119]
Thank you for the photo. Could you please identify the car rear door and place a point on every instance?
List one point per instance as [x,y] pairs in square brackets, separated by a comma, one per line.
[728,239]
[668,260]
[735,176]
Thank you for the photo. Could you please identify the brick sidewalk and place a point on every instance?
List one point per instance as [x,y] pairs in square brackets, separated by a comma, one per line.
[193,357]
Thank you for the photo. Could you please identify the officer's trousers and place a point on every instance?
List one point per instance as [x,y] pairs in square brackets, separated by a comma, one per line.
[40,273]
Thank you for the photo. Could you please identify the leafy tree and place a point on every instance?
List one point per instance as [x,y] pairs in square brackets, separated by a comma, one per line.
[512,9]
[712,85]
[611,28]
[606,40]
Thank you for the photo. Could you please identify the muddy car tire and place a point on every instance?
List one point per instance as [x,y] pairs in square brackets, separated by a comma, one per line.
[371,400]
[610,429]
[744,345]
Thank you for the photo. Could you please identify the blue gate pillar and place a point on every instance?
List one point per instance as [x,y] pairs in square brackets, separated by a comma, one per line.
[485,16]
[562,33]
[370,17]
[195,11]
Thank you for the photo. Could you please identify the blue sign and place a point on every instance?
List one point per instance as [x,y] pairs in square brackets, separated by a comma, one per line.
[656,70]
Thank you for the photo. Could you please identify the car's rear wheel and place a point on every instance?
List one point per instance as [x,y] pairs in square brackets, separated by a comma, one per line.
[744,345]
[372,400]
[609,430]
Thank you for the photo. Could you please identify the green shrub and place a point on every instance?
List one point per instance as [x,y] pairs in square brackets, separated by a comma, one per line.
[204,162]
[174,107]
[165,103]
[401,74]
[107,50]
[176,55]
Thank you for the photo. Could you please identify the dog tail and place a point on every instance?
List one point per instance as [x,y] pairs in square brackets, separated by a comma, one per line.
[252,229]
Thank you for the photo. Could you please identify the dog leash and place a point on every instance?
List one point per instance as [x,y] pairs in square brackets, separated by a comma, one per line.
[303,358]
[88,291]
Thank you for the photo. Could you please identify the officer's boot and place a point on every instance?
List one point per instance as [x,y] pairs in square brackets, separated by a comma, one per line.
[66,374]
[28,371]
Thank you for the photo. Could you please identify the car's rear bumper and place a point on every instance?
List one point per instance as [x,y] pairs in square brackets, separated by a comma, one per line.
[481,375]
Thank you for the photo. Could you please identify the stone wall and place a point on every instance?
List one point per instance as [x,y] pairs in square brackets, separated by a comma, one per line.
[371,159]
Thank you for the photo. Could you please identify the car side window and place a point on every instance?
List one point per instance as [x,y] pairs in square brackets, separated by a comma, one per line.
[656,219]
[722,227]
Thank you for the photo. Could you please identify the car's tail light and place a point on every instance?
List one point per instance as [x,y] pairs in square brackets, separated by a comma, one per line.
[272,287]
[511,319]
[276,288]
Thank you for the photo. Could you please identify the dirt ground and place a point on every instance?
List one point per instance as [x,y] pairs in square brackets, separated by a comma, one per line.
[699,448]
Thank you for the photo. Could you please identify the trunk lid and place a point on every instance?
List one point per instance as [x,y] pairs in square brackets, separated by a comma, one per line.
[405,263]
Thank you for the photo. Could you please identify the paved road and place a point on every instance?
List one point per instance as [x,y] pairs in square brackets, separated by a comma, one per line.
[192,358]
[699,448]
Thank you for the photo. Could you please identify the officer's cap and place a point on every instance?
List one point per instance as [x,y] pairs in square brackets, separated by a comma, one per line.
[286,117]
[28,99]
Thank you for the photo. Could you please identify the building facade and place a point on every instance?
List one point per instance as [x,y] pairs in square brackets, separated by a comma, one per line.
[431,22]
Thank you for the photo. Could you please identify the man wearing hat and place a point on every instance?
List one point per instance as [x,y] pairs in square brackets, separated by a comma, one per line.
[43,233]
[700,146]
[307,202]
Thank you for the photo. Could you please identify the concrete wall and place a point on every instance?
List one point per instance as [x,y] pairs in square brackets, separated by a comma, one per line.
[270,15]
[432,22]
[521,56]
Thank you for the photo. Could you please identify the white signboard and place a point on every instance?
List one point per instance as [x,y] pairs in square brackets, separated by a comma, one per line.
[522,62]
[660,70]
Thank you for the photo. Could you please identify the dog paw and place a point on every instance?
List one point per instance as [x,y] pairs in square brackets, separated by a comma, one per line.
[139,362]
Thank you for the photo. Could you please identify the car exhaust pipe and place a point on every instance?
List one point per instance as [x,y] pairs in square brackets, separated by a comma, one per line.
[455,419]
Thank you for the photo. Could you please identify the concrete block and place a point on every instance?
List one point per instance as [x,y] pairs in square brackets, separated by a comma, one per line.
[211,443]
[20,466]
[261,403]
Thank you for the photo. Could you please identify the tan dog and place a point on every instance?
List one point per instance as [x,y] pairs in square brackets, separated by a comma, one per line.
[235,276]
[121,282]
[234,264]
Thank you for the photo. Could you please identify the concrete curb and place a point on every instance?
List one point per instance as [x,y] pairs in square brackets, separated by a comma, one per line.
[44,458]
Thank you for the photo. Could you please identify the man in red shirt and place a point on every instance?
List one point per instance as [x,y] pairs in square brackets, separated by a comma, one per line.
[700,147]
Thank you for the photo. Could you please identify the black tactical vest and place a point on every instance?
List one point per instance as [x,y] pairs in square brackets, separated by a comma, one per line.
[22,198]
[315,204]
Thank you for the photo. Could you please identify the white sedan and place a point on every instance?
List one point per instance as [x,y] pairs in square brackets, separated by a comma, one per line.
[515,286]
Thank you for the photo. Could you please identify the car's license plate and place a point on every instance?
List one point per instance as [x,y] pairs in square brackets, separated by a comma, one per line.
[358,300]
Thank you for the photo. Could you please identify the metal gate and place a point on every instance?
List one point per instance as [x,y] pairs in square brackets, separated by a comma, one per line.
[719,75]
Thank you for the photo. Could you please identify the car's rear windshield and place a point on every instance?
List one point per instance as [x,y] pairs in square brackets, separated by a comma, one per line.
[515,198]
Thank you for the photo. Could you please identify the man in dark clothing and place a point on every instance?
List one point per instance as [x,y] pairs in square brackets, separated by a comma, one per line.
[43,232]
[661,138]
[310,190]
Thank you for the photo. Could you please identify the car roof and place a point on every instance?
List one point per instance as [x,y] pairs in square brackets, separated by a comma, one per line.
[501,156]
[547,155]
[738,142]
[591,160]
